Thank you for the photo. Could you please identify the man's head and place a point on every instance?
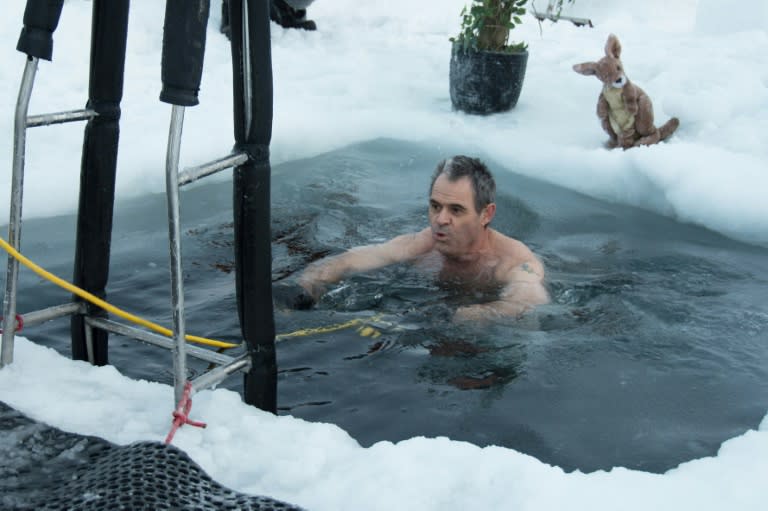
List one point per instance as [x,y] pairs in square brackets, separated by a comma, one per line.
[483,185]
[461,205]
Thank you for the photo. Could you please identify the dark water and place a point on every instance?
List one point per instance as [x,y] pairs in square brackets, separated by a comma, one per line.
[653,352]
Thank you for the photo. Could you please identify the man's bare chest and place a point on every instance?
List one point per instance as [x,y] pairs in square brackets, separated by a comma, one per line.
[478,275]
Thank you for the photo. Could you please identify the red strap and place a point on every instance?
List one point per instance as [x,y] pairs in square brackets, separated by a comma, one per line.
[181,414]
[19,323]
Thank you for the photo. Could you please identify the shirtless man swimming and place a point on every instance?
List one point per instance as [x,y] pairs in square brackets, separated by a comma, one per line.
[458,245]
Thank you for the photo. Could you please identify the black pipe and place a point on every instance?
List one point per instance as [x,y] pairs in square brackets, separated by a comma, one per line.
[183,50]
[109,30]
[40,20]
[252,102]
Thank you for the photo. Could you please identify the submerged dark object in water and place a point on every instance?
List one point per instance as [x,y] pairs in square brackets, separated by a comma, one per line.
[43,468]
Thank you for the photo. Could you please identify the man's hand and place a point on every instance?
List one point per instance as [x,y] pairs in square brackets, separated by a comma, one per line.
[292,296]
[313,280]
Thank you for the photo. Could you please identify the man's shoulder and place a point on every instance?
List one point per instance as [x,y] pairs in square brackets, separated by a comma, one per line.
[508,247]
[515,254]
[414,244]
[422,236]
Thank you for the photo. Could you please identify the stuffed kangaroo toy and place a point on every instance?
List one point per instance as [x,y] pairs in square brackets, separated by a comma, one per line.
[624,109]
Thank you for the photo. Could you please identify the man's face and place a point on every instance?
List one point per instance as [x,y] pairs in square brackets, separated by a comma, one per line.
[456,225]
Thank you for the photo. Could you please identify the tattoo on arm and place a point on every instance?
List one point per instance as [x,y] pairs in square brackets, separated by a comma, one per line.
[526,268]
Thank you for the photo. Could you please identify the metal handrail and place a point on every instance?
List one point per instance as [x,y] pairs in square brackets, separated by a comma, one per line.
[174,239]
[14,222]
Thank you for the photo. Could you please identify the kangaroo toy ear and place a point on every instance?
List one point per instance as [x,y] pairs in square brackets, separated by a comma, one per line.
[613,47]
[586,68]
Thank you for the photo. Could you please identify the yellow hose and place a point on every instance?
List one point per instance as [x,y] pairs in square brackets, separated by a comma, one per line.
[333,328]
[85,295]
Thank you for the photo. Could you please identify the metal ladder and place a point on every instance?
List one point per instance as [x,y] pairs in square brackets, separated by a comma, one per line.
[22,121]
[225,365]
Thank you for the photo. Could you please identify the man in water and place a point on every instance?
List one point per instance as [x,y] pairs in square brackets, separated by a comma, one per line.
[459,246]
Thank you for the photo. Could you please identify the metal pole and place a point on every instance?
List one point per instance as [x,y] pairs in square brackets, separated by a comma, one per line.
[14,223]
[154,339]
[247,74]
[57,311]
[215,376]
[184,31]
[89,344]
[84,114]
[194,173]
[174,236]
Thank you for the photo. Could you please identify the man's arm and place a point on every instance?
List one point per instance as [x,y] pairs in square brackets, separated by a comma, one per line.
[365,258]
[523,291]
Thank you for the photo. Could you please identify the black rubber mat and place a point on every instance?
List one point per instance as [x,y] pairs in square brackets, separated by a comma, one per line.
[43,468]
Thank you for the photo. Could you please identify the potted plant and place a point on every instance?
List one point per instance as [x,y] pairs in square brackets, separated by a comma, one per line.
[487,70]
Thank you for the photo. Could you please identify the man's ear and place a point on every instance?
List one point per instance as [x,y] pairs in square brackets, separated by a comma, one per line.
[488,213]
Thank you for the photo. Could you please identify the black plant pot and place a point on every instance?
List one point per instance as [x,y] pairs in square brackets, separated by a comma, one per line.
[485,82]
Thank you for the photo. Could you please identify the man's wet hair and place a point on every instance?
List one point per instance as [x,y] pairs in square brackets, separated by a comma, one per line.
[459,166]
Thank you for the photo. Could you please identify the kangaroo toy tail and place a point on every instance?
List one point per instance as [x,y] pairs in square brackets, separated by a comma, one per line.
[668,128]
